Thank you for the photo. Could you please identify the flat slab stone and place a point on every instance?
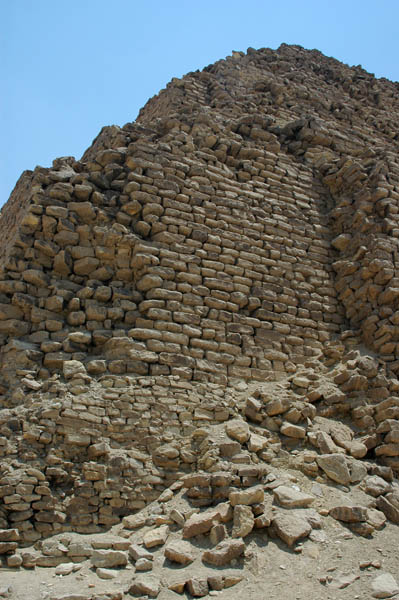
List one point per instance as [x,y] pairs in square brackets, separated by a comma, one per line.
[156,537]
[200,523]
[252,495]
[349,514]
[384,586]
[134,521]
[291,528]
[291,498]
[108,558]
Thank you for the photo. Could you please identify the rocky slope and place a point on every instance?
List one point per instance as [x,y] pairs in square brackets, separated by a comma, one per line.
[199,343]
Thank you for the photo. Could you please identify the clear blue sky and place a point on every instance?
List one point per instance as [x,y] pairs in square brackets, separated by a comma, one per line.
[70,67]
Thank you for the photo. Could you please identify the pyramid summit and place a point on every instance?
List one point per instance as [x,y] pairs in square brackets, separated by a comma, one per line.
[210,293]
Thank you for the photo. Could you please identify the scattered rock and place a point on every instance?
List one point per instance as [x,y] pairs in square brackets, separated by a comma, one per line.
[144,564]
[224,552]
[376,486]
[289,497]
[198,587]
[384,586]
[341,581]
[238,430]
[217,533]
[293,431]
[335,467]
[156,537]
[180,552]
[106,573]
[349,514]
[134,521]
[253,495]
[14,561]
[290,528]
[145,584]
[108,558]
[376,518]
[243,521]
[200,523]
[137,552]
[65,568]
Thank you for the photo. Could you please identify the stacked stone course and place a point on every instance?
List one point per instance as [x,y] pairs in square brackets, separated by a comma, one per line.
[206,267]
[244,227]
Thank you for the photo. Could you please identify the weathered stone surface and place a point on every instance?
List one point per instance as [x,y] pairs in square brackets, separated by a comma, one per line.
[217,534]
[106,573]
[185,255]
[376,518]
[388,508]
[156,537]
[243,521]
[14,561]
[289,497]
[144,564]
[256,443]
[180,551]
[200,523]
[145,585]
[349,514]
[178,585]
[335,467]
[224,552]
[290,528]
[253,495]
[293,431]
[65,568]
[375,486]
[231,580]
[198,587]
[137,552]
[108,558]
[134,521]
[238,430]
[384,586]
[71,368]
[9,535]
[7,547]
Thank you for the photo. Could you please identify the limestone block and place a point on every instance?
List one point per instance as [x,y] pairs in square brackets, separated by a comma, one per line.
[291,528]
[224,552]
[252,495]
[335,466]
[289,497]
[238,430]
[243,521]
[180,551]
[156,537]
[200,523]
[145,585]
[349,514]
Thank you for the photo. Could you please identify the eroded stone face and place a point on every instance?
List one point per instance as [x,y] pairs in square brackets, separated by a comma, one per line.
[208,242]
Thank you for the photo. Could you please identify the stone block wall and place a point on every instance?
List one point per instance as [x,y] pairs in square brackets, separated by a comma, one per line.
[146,261]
